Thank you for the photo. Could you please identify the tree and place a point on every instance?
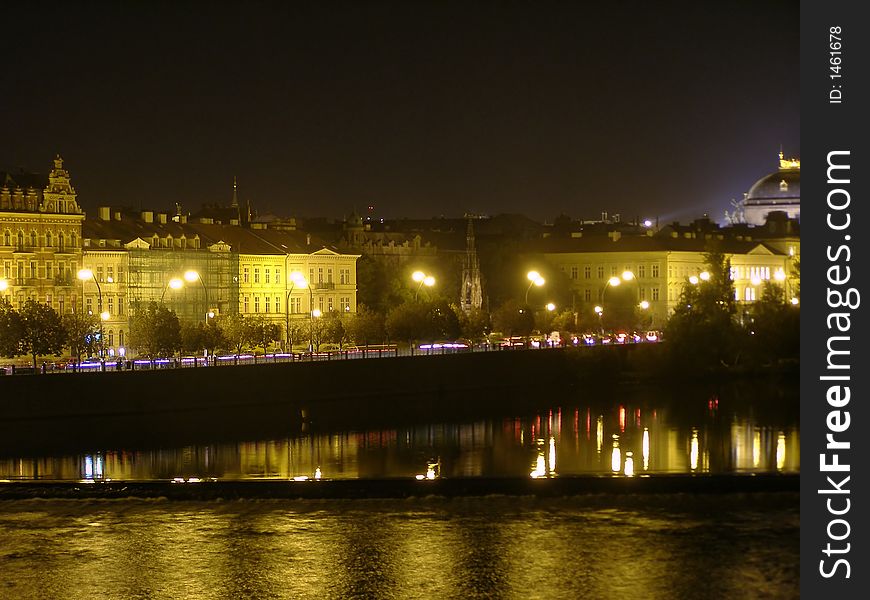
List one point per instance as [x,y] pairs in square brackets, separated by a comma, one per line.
[423,321]
[474,324]
[42,330]
[335,328]
[512,318]
[702,332]
[365,327]
[81,334]
[235,332]
[155,331]
[10,330]
[261,332]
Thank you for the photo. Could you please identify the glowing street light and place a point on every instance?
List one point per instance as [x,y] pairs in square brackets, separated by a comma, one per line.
[84,275]
[755,280]
[534,279]
[644,304]
[779,275]
[191,276]
[694,280]
[704,275]
[423,279]
[551,307]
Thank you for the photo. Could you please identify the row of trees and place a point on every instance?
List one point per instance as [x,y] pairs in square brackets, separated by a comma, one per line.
[38,330]
[707,330]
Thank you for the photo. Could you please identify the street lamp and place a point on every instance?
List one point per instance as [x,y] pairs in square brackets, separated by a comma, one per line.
[4,285]
[175,283]
[534,279]
[299,280]
[84,275]
[551,307]
[190,277]
[423,279]
[600,312]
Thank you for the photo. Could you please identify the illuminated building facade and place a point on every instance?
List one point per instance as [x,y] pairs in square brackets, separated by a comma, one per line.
[778,191]
[220,269]
[40,238]
[660,265]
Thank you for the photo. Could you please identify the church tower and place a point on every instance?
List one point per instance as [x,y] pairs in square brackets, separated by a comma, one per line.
[471,294]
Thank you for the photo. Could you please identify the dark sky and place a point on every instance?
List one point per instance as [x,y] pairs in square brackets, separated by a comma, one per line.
[421,109]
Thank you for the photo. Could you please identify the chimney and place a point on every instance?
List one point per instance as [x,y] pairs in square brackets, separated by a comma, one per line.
[182,219]
[161,218]
[104,213]
[308,239]
[117,215]
[148,216]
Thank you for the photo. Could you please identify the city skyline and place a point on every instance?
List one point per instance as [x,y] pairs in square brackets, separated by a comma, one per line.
[668,111]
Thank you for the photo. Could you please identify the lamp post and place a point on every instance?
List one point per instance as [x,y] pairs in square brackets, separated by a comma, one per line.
[175,283]
[84,275]
[600,312]
[534,279]
[612,283]
[423,279]
[296,279]
[190,277]
[300,281]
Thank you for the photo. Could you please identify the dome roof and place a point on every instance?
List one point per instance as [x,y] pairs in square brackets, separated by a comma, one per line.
[785,184]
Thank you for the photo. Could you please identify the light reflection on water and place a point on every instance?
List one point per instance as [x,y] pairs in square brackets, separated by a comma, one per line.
[627,438]
[673,546]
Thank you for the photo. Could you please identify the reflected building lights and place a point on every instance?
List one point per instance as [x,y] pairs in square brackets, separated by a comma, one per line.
[552,455]
[629,464]
[756,448]
[540,467]
[616,456]
[693,453]
[780,451]
[599,432]
[645,448]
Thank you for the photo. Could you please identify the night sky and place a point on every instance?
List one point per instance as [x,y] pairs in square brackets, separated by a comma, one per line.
[420,109]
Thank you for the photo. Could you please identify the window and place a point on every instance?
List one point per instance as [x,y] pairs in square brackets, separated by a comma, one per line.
[345,304]
[33,242]
[49,300]
[111,337]
[320,303]
[655,294]
[111,305]
[120,306]
[344,276]
[256,304]
[100,274]
[311,275]
[749,293]
[245,304]
[120,337]
[600,272]
[329,276]
[33,270]
[61,241]
[266,303]
[641,271]
[277,275]
[277,301]
[49,271]
[268,275]
[319,274]
[295,305]
[21,239]
[60,304]
[256,275]
[89,305]
[575,272]
[654,271]
[642,293]
[245,276]
[330,306]
[48,240]
[110,272]
[120,274]
[587,272]
[7,238]
[613,270]
[587,294]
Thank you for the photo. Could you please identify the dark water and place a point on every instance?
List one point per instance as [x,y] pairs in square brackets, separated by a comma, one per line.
[751,428]
[597,546]
[673,546]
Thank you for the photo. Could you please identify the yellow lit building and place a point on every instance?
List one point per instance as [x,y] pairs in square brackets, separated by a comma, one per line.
[660,265]
[40,238]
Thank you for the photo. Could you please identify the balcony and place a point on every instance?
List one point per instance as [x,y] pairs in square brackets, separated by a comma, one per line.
[324,285]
